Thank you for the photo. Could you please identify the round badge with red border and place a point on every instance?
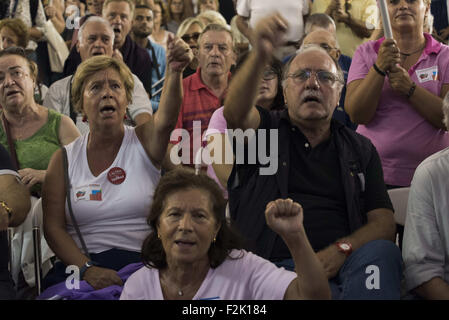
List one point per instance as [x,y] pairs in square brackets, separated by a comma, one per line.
[116,175]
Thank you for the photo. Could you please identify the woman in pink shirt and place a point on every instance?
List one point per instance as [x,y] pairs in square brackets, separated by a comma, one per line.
[193,254]
[395,90]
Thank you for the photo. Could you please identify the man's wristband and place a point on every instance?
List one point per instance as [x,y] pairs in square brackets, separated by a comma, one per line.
[8,210]
[382,73]
[411,90]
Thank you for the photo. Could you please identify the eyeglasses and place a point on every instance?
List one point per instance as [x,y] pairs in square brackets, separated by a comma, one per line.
[323,77]
[194,36]
[15,75]
[269,74]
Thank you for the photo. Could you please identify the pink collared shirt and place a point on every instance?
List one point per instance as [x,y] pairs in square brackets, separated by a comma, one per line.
[401,135]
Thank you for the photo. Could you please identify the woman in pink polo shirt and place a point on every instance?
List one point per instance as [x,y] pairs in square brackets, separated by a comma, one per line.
[395,90]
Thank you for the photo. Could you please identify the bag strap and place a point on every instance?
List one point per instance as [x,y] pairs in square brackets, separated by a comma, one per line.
[72,112]
[69,202]
[12,149]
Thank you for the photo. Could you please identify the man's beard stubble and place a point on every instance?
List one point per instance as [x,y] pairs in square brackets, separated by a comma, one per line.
[141,34]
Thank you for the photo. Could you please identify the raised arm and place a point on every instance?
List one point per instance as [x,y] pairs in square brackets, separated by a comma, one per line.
[155,134]
[239,107]
[285,217]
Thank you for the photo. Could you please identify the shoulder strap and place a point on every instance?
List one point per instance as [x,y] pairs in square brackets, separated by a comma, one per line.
[72,112]
[12,149]
[69,202]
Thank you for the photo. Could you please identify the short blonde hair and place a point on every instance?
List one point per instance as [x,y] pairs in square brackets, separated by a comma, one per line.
[186,24]
[213,17]
[93,65]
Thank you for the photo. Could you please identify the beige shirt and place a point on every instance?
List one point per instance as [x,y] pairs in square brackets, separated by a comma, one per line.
[364,10]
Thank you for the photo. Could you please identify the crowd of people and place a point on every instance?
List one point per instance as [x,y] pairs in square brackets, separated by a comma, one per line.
[226,149]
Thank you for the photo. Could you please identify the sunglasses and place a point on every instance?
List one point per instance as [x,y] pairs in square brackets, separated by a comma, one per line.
[194,36]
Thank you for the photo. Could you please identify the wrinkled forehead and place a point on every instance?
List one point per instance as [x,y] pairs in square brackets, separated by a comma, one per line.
[98,29]
[320,36]
[216,37]
[13,61]
[314,59]
[104,75]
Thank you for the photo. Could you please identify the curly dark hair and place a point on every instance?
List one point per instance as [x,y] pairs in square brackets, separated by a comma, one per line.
[180,179]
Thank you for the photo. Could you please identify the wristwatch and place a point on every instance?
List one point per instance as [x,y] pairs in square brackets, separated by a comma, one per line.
[344,246]
[86,266]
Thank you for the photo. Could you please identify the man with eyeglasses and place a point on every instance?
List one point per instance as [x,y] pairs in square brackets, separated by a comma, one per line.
[328,42]
[141,29]
[334,173]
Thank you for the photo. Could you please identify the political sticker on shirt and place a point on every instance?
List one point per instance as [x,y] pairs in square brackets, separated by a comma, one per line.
[90,192]
[428,74]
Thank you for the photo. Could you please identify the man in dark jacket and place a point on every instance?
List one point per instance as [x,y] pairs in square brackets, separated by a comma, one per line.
[334,173]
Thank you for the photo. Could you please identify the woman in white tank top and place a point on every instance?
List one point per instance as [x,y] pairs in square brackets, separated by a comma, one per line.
[113,170]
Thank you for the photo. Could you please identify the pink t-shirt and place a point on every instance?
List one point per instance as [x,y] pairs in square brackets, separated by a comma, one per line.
[401,135]
[217,124]
[244,276]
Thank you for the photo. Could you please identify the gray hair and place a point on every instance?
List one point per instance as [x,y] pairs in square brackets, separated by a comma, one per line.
[95,19]
[446,110]
[307,48]
[321,20]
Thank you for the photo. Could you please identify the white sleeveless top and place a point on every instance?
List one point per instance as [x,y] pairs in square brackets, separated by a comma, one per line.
[111,215]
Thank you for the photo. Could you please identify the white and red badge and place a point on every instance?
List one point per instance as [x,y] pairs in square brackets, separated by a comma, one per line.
[116,175]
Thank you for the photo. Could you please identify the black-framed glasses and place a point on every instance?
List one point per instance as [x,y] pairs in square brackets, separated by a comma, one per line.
[194,36]
[323,77]
[269,74]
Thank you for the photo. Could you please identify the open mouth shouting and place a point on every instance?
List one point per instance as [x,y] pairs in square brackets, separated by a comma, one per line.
[311,98]
[107,110]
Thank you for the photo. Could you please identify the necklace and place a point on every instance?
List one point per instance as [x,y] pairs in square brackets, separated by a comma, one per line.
[180,293]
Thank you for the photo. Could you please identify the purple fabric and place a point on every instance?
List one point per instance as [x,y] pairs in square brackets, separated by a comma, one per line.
[86,292]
